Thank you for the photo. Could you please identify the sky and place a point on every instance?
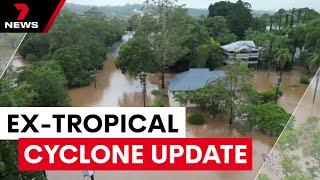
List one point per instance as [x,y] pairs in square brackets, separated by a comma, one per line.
[256,4]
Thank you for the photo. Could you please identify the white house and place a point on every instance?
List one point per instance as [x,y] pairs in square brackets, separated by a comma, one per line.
[244,50]
[190,81]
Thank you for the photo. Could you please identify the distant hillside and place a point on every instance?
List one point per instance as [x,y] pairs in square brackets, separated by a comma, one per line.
[261,12]
[125,10]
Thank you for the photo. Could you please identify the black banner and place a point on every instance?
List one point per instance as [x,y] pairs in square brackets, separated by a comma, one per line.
[28,15]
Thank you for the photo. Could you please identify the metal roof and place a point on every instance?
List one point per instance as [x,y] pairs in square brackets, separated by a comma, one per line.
[194,79]
[240,45]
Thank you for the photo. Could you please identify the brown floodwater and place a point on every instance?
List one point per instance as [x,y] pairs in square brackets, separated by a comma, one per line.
[116,89]
[291,88]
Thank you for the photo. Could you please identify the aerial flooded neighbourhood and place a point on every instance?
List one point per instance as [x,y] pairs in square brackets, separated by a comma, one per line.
[239,71]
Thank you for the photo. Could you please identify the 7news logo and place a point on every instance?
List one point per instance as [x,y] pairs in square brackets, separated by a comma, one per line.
[20,22]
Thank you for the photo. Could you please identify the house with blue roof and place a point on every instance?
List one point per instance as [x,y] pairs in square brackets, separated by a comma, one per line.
[190,81]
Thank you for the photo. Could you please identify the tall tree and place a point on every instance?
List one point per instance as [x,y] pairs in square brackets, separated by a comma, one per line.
[75,65]
[136,57]
[314,63]
[49,84]
[283,57]
[221,8]
[238,15]
[168,36]
[314,60]
[21,96]
[240,18]
[218,29]
[279,15]
[238,73]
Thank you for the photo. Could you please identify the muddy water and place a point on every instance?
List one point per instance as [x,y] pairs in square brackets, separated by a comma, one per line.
[115,89]
[291,88]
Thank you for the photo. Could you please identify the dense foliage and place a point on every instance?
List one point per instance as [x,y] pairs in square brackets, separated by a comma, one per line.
[238,15]
[167,38]
[159,103]
[196,119]
[65,57]
[234,97]
[272,121]
[79,43]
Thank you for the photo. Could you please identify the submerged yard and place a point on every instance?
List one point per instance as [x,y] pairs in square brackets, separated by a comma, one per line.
[116,89]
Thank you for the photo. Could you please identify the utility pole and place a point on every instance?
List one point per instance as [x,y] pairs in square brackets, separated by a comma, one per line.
[94,77]
[143,80]
[316,88]
[45,174]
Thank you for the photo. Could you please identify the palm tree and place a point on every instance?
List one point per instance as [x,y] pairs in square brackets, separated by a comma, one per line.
[283,57]
[271,23]
[181,97]
[280,14]
[269,50]
[314,60]
[314,63]
[293,13]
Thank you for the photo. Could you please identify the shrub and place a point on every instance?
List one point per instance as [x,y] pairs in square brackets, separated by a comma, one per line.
[159,103]
[268,95]
[196,119]
[269,118]
[32,57]
[304,79]
[263,176]
[156,92]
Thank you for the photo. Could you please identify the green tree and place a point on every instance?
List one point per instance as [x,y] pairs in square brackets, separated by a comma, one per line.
[283,57]
[21,96]
[273,120]
[288,141]
[181,97]
[216,96]
[263,176]
[238,15]
[260,23]
[290,166]
[221,8]
[49,84]
[136,56]
[279,16]
[75,65]
[238,73]
[167,41]
[312,33]
[240,19]
[218,29]
[201,57]
[36,45]
[260,38]
[314,60]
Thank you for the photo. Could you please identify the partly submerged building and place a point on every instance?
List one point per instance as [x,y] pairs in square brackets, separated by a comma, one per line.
[244,50]
[190,81]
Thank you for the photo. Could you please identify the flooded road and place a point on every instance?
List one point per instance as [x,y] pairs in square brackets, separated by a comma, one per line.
[115,89]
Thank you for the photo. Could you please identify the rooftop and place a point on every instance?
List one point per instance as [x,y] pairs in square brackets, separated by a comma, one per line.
[194,79]
[240,45]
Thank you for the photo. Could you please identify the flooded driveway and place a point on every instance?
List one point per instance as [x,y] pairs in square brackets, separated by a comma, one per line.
[115,89]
